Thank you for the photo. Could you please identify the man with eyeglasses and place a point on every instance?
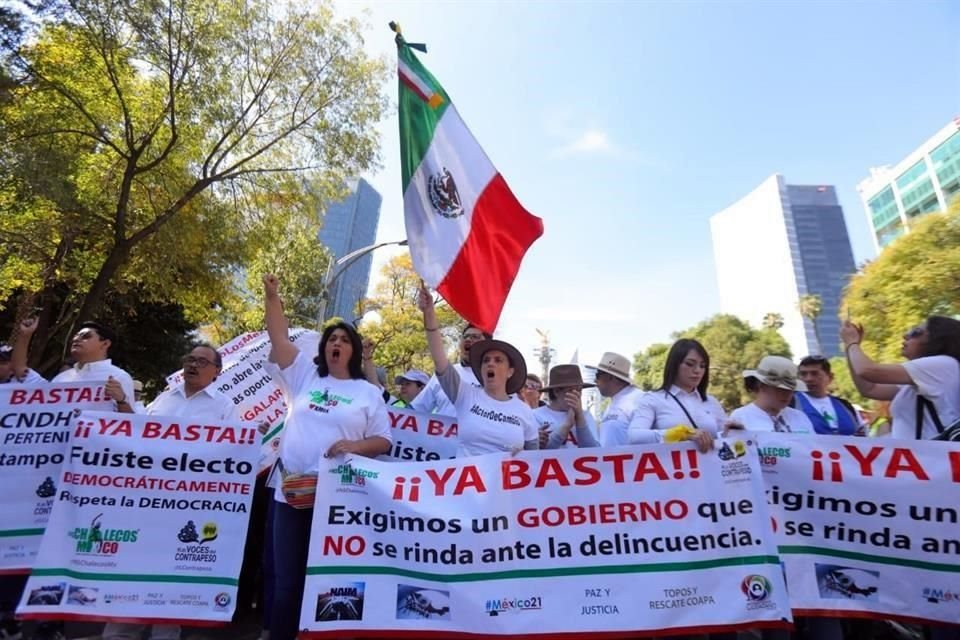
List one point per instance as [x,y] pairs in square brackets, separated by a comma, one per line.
[196,398]
[433,399]
[531,391]
[90,348]
[830,415]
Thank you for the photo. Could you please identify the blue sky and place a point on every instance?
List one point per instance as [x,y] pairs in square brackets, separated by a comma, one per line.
[626,125]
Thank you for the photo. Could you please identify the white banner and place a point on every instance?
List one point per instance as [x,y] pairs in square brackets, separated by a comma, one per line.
[35,424]
[866,526]
[420,437]
[149,522]
[632,539]
[252,389]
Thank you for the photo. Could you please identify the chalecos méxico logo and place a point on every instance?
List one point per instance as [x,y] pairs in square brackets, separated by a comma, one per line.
[100,541]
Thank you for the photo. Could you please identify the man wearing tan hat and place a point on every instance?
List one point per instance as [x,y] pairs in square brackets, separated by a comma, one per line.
[774,380]
[565,411]
[613,381]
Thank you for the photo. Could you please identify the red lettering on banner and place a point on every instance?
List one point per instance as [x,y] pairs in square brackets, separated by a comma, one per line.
[56,396]
[513,474]
[650,465]
[469,478]
[955,465]
[904,460]
[618,460]
[191,433]
[115,427]
[552,470]
[866,462]
[592,475]
[435,428]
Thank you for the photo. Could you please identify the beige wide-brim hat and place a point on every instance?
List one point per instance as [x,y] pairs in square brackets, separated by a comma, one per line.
[616,365]
[519,377]
[777,371]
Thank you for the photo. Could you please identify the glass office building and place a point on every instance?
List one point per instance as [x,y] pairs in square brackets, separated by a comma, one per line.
[926,180]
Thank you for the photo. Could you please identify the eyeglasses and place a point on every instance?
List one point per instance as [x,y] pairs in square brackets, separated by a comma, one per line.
[533,386]
[472,337]
[916,332]
[191,361]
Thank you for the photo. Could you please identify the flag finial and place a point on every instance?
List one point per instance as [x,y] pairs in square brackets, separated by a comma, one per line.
[395,27]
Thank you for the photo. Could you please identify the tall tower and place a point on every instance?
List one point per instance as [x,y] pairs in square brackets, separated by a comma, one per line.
[778,243]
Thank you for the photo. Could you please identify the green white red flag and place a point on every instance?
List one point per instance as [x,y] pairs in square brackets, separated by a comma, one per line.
[467,232]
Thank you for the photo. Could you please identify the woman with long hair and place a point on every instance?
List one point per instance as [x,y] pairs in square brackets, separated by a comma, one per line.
[490,418]
[331,411]
[925,390]
[681,409]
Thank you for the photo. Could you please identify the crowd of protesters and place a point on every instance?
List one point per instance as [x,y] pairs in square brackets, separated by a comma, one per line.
[500,407]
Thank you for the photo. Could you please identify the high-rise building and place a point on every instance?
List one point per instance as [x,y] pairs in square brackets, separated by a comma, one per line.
[776,245]
[348,225]
[924,181]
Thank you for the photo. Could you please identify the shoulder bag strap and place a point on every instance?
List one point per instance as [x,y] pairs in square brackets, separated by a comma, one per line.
[693,422]
[925,403]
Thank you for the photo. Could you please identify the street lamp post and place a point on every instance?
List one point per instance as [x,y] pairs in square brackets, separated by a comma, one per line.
[333,273]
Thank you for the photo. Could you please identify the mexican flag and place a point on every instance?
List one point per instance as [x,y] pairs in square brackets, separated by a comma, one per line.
[466,230]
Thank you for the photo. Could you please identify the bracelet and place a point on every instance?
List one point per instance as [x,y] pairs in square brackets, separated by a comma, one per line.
[852,344]
[433,329]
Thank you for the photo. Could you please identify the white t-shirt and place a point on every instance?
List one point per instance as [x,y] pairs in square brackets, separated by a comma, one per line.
[658,411]
[322,411]
[30,377]
[936,378]
[485,424]
[206,403]
[618,416]
[98,371]
[432,398]
[577,436]
[824,407]
[790,420]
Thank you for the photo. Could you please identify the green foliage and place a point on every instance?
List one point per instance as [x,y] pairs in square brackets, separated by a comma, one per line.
[233,120]
[733,346]
[773,321]
[843,384]
[918,275]
[397,334]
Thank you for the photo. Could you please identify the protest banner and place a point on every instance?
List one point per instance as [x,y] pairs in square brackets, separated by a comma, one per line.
[35,423]
[603,542]
[866,527]
[420,437]
[244,380]
[148,524]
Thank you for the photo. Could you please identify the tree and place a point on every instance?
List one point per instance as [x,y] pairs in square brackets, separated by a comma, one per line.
[843,383]
[733,345]
[773,321]
[397,332]
[128,115]
[810,307]
[918,275]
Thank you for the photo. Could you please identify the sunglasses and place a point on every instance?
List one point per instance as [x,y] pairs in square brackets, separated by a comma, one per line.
[191,361]
[533,386]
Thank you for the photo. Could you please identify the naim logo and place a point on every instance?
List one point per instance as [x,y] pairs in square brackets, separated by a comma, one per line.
[353,476]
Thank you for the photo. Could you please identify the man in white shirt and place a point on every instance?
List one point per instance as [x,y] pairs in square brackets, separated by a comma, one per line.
[433,399]
[613,381]
[89,348]
[197,398]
